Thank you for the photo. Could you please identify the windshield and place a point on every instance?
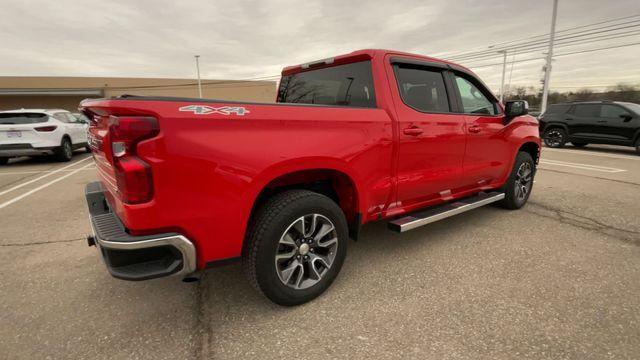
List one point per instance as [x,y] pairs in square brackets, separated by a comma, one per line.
[22,118]
[633,107]
[342,85]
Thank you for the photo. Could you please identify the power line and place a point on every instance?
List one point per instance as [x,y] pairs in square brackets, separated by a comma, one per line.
[559,55]
[562,44]
[456,54]
[541,42]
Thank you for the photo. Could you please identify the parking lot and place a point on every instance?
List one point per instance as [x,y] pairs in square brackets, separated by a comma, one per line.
[559,279]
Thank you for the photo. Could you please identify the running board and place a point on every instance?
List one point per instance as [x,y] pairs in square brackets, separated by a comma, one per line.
[444,211]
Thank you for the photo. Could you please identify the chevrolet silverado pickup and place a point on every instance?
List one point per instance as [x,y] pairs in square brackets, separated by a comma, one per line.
[186,184]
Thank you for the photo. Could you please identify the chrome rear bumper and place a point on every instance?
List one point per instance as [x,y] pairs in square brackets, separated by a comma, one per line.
[132,257]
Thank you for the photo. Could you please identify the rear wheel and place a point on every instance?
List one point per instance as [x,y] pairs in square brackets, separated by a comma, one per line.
[4,160]
[555,137]
[579,144]
[296,244]
[65,151]
[520,183]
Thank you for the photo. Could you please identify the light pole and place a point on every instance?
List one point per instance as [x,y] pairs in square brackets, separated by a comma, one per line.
[504,70]
[198,71]
[547,68]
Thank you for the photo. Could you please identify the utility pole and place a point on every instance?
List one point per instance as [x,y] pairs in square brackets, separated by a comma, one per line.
[198,71]
[504,70]
[547,68]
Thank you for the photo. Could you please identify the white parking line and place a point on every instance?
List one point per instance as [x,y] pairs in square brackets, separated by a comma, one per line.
[43,176]
[34,172]
[590,153]
[20,197]
[581,166]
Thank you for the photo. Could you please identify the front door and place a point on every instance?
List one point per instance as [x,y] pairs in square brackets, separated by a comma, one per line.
[617,123]
[487,156]
[431,138]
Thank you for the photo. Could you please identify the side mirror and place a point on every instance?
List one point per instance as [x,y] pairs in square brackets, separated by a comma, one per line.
[626,117]
[515,108]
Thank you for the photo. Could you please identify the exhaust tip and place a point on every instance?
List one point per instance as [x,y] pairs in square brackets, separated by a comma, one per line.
[190,279]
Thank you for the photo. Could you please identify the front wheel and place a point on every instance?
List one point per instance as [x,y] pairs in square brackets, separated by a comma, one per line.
[555,137]
[518,187]
[296,244]
[638,147]
[4,160]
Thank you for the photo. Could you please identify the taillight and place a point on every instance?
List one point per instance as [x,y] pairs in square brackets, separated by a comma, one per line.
[133,175]
[45,128]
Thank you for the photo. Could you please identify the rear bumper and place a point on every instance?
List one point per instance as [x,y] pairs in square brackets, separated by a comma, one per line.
[10,150]
[131,257]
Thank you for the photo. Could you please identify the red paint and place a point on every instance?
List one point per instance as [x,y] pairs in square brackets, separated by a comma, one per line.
[207,170]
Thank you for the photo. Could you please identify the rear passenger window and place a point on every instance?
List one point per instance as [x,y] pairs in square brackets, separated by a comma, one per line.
[422,89]
[61,117]
[558,109]
[587,110]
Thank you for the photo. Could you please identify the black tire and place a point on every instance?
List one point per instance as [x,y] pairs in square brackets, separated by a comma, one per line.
[65,151]
[87,149]
[638,146]
[4,160]
[579,144]
[555,137]
[268,226]
[513,187]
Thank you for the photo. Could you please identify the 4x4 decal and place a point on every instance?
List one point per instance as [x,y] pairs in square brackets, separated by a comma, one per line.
[224,110]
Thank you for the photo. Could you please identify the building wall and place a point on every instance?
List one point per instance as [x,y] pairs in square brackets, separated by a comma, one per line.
[258,91]
[40,102]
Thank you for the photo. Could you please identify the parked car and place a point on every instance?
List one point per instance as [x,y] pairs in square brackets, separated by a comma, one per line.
[33,132]
[591,122]
[187,184]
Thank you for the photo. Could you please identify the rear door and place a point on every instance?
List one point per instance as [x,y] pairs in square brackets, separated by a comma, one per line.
[583,121]
[487,156]
[431,137]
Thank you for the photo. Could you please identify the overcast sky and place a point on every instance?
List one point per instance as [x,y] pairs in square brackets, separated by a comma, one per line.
[243,39]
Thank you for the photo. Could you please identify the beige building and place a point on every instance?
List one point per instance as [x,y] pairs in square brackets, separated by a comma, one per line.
[67,92]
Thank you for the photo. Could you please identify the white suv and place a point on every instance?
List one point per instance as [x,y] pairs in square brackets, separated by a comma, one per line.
[29,132]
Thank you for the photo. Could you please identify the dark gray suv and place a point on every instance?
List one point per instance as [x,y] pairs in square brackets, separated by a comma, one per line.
[592,122]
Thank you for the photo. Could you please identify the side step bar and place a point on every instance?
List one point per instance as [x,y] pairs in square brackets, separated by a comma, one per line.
[444,211]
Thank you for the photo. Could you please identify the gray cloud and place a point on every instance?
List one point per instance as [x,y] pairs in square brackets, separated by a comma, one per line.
[244,39]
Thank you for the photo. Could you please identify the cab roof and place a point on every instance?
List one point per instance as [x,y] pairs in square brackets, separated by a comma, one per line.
[361,55]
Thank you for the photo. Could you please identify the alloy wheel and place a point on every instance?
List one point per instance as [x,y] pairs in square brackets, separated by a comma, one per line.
[554,138]
[306,251]
[524,180]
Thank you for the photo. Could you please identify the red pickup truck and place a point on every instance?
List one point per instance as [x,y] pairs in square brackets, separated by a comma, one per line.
[187,184]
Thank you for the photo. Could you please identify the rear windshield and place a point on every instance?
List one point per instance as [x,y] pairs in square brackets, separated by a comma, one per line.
[342,85]
[22,118]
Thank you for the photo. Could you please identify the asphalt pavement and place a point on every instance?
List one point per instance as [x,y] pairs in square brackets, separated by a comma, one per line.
[558,279]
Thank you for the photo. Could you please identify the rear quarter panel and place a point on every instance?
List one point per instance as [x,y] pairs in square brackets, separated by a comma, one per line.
[208,169]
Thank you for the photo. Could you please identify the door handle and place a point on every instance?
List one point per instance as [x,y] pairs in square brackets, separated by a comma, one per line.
[413,131]
[474,129]
[601,121]
[569,118]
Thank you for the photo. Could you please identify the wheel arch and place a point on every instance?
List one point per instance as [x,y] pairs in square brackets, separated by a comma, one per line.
[335,182]
[532,148]
[553,125]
